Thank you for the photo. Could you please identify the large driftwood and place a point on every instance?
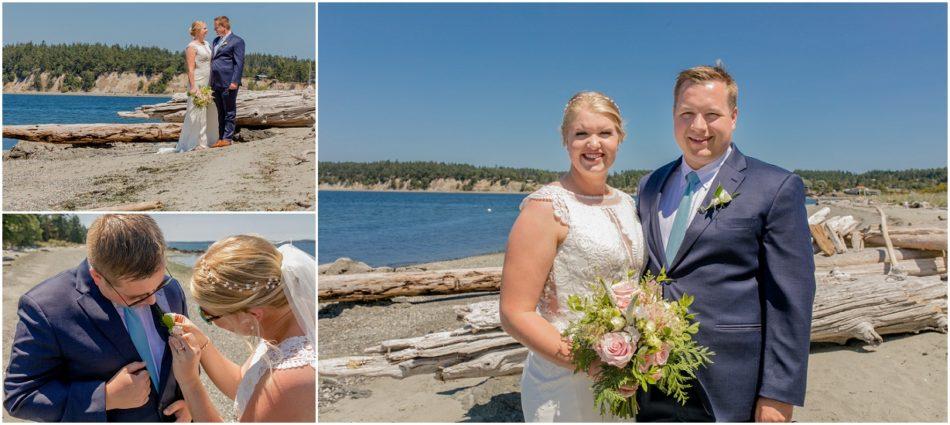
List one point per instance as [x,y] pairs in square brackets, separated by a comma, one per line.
[93,134]
[916,267]
[870,256]
[871,306]
[819,234]
[931,242]
[861,308]
[270,108]
[383,285]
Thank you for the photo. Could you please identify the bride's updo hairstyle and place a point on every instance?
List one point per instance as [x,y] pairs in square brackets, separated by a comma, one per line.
[594,102]
[238,273]
[194,28]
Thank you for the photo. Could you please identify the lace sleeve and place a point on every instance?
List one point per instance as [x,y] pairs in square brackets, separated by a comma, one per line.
[547,194]
[297,353]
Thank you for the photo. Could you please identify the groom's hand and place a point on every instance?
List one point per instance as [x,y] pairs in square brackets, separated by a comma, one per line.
[180,410]
[233,86]
[768,410]
[129,387]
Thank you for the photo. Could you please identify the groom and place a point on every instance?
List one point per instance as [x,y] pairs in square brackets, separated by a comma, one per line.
[747,261]
[227,66]
[89,345]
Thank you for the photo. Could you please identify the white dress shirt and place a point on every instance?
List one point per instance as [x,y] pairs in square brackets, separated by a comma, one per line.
[155,343]
[674,188]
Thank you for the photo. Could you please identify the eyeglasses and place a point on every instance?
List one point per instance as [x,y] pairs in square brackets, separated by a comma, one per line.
[207,317]
[168,279]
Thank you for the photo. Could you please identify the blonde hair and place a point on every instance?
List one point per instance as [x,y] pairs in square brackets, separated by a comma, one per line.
[595,102]
[238,273]
[194,28]
[225,22]
[699,74]
[121,246]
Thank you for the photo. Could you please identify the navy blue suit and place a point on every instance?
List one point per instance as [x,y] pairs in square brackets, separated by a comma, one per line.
[69,342]
[227,67]
[751,269]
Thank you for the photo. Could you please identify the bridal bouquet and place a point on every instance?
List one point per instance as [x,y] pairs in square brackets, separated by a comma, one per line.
[643,341]
[202,98]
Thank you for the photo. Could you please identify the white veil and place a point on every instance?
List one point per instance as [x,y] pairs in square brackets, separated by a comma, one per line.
[298,270]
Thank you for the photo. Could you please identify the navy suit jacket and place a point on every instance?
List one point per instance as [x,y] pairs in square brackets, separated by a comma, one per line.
[69,342]
[227,64]
[751,268]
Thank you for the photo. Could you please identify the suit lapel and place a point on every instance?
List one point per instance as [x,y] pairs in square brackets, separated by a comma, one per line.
[652,198]
[103,314]
[730,176]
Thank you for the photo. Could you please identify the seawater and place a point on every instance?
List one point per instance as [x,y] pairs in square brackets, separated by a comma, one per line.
[70,109]
[400,228]
[189,258]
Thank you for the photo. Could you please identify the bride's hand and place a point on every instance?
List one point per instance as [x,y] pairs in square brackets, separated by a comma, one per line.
[186,354]
[194,91]
[185,326]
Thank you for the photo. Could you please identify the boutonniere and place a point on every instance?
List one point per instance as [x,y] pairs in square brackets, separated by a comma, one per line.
[720,199]
[224,44]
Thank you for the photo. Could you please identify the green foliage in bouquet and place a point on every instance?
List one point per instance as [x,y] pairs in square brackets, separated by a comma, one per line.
[202,98]
[642,340]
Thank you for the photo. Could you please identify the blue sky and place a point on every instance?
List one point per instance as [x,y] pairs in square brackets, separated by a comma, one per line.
[284,29]
[821,86]
[211,227]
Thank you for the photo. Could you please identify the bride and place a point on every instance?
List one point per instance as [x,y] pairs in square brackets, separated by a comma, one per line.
[245,285]
[200,124]
[568,234]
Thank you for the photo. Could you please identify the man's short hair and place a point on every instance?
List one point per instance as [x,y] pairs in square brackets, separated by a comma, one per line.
[698,74]
[125,246]
[224,21]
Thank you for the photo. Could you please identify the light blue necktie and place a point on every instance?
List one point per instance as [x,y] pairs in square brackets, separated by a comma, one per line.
[140,340]
[681,222]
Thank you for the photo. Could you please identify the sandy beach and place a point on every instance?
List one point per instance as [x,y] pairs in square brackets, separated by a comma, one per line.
[904,380]
[273,170]
[31,268]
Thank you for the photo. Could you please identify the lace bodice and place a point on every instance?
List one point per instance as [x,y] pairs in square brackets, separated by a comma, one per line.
[202,62]
[292,353]
[604,239]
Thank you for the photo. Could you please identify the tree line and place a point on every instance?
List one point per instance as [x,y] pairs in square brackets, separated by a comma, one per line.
[21,230]
[81,63]
[422,173]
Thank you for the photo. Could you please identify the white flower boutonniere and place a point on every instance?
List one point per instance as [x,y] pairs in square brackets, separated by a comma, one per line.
[720,199]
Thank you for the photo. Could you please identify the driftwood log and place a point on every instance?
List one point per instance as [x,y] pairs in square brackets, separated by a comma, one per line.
[267,108]
[135,206]
[931,242]
[861,308]
[363,287]
[94,134]
[383,285]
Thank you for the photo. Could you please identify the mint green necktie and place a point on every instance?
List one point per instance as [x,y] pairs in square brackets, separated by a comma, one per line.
[681,222]
[140,340]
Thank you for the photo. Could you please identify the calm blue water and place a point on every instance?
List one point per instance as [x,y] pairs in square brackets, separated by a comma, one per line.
[61,109]
[308,246]
[400,228]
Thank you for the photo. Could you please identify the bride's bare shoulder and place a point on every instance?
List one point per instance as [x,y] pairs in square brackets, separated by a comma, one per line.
[286,395]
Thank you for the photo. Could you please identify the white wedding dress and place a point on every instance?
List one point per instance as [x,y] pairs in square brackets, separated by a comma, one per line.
[605,240]
[200,125]
[292,353]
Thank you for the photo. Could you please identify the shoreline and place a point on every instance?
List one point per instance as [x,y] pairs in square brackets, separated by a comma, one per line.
[474,192]
[73,93]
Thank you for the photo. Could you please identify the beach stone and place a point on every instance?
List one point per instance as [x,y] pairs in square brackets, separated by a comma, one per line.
[344,265]
[8,258]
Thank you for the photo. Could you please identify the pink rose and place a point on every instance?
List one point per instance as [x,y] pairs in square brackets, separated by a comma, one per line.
[627,391]
[646,363]
[624,293]
[615,349]
[663,355]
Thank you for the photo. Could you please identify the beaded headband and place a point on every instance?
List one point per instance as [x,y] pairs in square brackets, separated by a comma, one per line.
[268,284]
[590,95]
